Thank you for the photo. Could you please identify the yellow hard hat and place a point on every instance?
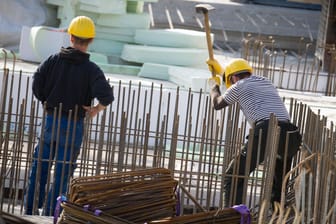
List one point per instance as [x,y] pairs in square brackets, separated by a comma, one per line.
[235,67]
[83,27]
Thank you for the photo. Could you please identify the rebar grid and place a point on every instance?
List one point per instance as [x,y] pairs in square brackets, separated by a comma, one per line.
[150,127]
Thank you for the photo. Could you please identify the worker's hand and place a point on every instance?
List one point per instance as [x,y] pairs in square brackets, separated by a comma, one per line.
[93,111]
[215,67]
[214,80]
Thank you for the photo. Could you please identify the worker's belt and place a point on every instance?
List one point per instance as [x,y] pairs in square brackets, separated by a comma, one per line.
[64,115]
[260,122]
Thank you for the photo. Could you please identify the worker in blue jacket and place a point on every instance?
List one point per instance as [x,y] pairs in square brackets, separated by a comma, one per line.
[66,81]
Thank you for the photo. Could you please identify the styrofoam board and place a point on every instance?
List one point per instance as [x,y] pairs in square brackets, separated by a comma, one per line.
[154,71]
[115,37]
[142,0]
[65,14]
[116,30]
[164,55]
[26,50]
[92,2]
[56,2]
[120,69]
[172,38]
[108,47]
[193,78]
[198,83]
[180,81]
[130,20]
[93,15]
[47,40]
[112,7]
[98,58]
[135,7]
[106,3]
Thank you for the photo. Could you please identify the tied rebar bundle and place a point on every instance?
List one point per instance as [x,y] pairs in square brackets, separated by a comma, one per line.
[143,196]
[73,213]
[136,196]
[9,218]
[223,216]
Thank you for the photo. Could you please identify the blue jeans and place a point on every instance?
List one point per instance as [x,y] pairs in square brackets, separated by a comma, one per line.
[58,148]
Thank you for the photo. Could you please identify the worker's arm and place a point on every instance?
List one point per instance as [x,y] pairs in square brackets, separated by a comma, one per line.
[214,83]
[216,98]
[93,111]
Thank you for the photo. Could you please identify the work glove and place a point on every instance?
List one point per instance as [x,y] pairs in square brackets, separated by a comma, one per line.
[215,67]
[214,80]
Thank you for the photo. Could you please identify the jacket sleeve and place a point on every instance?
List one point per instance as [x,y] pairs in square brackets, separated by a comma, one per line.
[39,79]
[101,89]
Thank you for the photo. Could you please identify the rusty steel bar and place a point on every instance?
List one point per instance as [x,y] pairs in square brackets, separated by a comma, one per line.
[157,133]
[209,140]
[194,142]
[185,149]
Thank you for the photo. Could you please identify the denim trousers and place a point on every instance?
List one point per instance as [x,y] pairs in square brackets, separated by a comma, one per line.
[239,162]
[58,148]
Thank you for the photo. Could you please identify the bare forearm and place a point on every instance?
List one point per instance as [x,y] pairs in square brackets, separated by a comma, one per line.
[216,98]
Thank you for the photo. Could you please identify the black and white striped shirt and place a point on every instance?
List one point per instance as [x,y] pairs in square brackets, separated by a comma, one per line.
[257,98]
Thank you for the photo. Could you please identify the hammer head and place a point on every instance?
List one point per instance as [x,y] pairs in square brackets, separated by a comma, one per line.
[204,8]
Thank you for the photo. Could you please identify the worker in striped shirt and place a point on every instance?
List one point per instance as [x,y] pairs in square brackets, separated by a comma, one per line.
[258,99]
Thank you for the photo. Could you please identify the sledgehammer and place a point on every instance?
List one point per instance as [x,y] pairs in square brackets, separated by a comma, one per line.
[205,8]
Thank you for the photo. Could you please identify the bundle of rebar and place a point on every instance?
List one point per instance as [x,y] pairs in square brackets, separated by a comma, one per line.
[9,218]
[73,213]
[136,196]
[223,216]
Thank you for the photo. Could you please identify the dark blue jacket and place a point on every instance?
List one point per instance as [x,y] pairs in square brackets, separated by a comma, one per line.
[70,78]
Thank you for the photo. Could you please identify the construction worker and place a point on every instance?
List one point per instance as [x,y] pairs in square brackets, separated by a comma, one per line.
[258,99]
[66,81]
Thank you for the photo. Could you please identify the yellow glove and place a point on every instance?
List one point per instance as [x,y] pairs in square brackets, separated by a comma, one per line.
[215,67]
[214,80]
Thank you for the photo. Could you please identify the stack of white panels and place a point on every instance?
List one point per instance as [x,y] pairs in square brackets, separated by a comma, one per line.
[39,42]
[123,33]
[104,6]
[116,20]
[154,71]
[191,57]
[185,77]
[171,38]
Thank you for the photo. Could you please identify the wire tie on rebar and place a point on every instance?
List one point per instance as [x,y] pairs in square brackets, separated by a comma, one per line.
[57,211]
[86,208]
[245,212]
[97,212]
